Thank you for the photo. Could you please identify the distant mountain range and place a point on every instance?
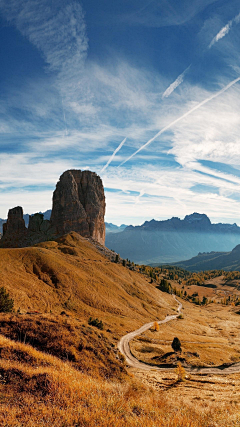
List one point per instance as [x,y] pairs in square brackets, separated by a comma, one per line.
[112,228]
[173,240]
[228,261]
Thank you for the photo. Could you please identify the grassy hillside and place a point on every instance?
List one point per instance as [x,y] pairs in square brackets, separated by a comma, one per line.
[57,369]
[58,285]
[40,390]
[71,275]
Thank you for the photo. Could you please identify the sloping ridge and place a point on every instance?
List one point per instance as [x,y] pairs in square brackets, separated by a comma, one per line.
[58,285]
[71,274]
[228,261]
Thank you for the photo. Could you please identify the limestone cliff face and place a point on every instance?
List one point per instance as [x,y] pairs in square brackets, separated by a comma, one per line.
[79,205]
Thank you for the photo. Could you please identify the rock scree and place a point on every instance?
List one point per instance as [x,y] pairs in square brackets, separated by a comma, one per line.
[78,205]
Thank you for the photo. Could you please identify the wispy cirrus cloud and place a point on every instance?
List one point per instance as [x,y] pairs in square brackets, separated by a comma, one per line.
[58,32]
[165,13]
[166,192]
[179,119]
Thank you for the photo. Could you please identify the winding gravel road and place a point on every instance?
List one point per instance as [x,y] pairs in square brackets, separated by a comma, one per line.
[123,347]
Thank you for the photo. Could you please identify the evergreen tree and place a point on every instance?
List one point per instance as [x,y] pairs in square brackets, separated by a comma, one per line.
[6,303]
[176,344]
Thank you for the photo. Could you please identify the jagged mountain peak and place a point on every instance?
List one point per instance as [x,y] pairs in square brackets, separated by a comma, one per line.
[197,217]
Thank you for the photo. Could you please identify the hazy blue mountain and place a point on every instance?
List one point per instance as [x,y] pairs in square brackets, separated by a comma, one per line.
[229,261]
[174,239]
[47,214]
[112,228]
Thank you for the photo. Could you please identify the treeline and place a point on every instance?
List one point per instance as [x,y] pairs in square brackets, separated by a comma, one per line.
[165,286]
[163,274]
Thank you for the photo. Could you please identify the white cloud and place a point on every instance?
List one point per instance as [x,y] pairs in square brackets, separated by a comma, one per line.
[225,30]
[222,33]
[59,34]
[182,117]
[31,202]
[166,192]
[212,133]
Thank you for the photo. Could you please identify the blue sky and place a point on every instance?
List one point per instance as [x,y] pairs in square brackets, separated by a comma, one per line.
[145,93]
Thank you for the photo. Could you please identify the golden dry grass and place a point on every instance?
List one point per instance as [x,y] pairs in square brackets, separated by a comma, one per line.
[57,370]
[71,275]
[222,288]
[218,394]
[48,392]
[88,349]
[209,336]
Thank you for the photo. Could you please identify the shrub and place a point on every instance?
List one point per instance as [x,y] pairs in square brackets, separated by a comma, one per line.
[204,301]
[96,322]
[156,326]
[6,303]
[181,373]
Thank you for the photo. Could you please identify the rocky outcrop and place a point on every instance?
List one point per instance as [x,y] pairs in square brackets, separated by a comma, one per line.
[16,235]
[79,205]
[14,230]
[39,229]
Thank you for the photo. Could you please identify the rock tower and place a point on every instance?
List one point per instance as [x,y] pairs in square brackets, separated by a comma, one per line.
[78,205]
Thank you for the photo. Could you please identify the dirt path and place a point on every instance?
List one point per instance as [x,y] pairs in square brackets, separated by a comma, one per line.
[123,347]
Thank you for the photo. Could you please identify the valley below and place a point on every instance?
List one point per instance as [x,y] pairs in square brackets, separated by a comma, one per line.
[210,359]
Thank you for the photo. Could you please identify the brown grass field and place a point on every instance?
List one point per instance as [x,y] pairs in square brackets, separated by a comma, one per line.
[224,288]
[56,369]
[209,337]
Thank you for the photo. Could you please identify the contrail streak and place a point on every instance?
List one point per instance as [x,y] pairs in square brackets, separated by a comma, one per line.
[114,154]
[175,84]
[225,30]
[182,117]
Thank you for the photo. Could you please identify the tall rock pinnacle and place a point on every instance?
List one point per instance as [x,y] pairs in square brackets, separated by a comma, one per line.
[79,205]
